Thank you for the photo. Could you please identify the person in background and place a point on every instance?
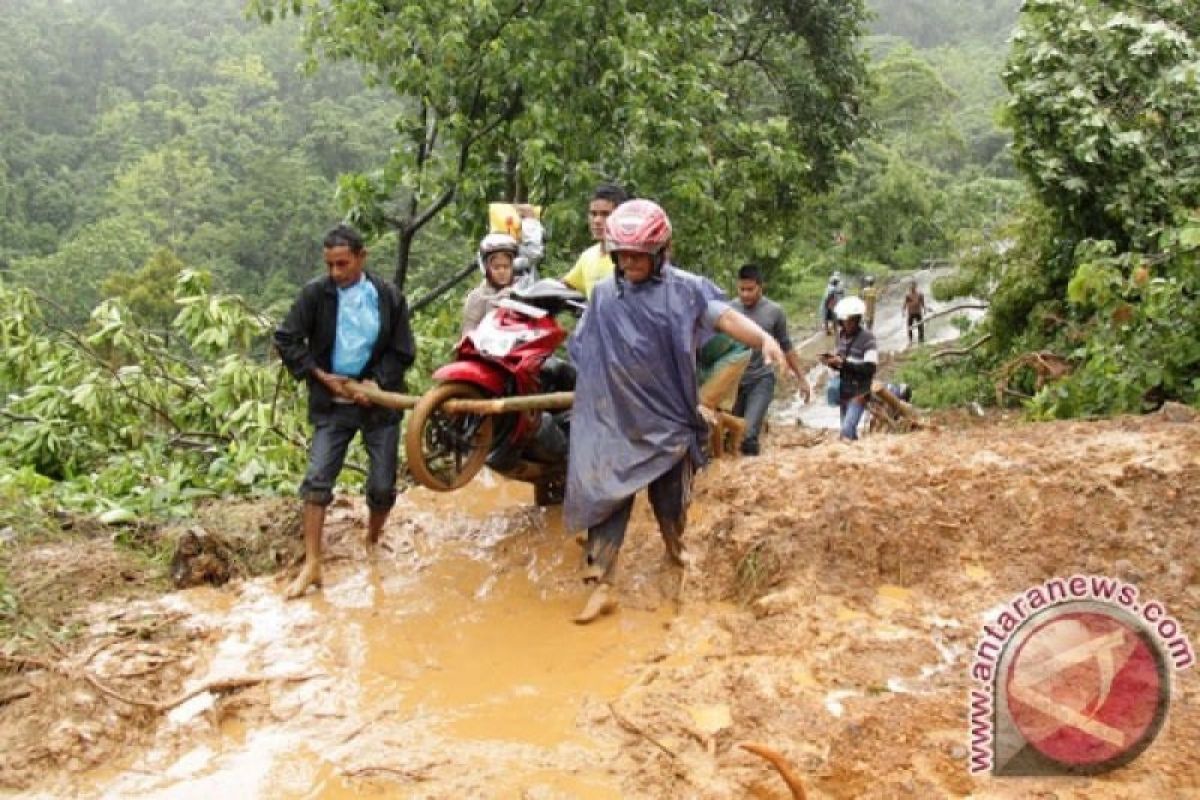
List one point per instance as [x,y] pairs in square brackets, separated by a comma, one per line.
[913,311]
[856,359]
[636,422]
[833,293]
[531,244]
[757,387]
[870,297]
[497,252]
[596,264]
[348,324]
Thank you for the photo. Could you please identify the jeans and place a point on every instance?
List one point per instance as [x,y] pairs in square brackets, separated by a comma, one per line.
[851,412]
[669,493]
[752,402]
[331,439]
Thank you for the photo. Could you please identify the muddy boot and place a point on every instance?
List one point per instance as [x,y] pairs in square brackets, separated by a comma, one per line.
[601,601]
[310,573]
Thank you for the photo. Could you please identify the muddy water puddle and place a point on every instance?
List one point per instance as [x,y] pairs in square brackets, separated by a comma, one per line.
[444,665]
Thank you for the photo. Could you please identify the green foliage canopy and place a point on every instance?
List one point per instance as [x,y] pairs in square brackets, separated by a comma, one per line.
[717,110]
[1104,99]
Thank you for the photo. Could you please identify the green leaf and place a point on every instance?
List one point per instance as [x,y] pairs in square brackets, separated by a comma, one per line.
[117,516]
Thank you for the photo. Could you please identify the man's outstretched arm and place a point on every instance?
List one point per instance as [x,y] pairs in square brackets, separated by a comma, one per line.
[748,332]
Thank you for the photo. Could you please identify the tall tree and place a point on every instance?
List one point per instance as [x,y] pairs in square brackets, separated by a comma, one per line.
[1104,99]
[1107,269]
[537,99]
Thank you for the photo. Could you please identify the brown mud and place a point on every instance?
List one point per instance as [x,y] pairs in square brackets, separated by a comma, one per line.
[830,608]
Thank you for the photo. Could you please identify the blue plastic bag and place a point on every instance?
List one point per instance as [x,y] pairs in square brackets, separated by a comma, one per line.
[357,328]
[833,389]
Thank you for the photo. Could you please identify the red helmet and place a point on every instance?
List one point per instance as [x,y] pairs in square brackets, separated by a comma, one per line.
[639,226]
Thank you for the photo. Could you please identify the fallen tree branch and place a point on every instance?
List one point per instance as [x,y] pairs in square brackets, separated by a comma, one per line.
[229,684]
[1046,366]
[108,691]
[959,351]
[776,760]
[19,662]
[403,773]
[631,727]
[897,405]
[219,685]
[17,695]
[952,309]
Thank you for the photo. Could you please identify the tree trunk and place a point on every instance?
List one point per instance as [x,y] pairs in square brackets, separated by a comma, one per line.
[403,250]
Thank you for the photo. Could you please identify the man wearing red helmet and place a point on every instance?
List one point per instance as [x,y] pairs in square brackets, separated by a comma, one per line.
[636,422]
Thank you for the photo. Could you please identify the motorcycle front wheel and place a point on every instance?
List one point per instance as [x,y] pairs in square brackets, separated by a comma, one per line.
[445,451]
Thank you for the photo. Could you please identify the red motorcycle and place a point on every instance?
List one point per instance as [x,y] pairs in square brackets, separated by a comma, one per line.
[510,354]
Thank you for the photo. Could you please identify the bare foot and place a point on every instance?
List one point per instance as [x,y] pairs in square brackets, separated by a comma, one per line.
[600,602]
[310,575]
[674,545]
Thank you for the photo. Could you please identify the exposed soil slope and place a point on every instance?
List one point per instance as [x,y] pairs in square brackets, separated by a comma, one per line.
[830,608]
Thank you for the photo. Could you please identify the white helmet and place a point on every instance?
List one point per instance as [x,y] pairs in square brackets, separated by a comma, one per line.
[850,307]
[495,243]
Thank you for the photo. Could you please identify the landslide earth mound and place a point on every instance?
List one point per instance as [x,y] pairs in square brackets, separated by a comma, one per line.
[834,598]
[851,585]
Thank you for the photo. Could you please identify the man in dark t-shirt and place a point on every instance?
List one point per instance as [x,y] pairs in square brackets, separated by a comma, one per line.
[757,387]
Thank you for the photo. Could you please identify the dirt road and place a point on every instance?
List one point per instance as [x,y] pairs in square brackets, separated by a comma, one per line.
[831,608]
[891,336]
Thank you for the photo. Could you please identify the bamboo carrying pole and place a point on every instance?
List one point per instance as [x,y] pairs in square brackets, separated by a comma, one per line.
[400,402]
[555,401]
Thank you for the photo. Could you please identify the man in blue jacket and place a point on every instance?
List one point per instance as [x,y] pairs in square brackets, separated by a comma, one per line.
[347,325]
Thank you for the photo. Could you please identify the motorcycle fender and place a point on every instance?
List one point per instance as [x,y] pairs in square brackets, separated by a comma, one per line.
[488,378]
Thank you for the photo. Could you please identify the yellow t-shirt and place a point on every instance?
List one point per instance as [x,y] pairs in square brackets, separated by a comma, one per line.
[592,267]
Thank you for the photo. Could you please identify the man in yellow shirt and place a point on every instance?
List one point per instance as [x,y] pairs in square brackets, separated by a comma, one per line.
[595,264]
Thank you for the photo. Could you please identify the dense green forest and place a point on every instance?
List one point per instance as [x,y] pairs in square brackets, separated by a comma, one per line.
[147,138]
[167,168]
[135,128]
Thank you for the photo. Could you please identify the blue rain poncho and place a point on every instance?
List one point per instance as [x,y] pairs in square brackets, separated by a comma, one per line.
[636,413]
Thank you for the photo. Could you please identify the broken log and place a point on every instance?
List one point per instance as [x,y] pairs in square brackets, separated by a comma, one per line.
[895,403]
